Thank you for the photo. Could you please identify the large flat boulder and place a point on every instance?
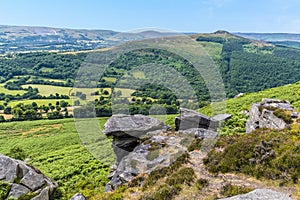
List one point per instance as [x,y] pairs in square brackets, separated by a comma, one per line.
[192,119]
[261,194]
[127,129]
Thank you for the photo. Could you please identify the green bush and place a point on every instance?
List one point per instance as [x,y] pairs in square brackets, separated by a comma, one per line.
[283,115]
[17,153]
[196,144]
[202,183]
[183,176]
[231,190]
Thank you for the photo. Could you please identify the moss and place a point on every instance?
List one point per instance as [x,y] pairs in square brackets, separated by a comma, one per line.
[152,155]
[4,189]
[27,196]
[231,190]
[285,116]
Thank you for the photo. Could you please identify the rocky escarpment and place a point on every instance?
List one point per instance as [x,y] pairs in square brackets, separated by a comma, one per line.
[263,115]
[143,144]
[127,129]
[19,179]
[261,194]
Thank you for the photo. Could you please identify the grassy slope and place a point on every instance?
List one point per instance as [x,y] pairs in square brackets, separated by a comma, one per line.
[235,106]
[55,148]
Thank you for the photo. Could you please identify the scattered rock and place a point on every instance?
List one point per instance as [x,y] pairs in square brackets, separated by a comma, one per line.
[262,116]
[127,129]
[239,95]
[78,196]
[261,194]
[295,115]
[25,179]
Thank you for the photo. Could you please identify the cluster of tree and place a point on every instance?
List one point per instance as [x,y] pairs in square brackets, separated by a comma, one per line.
[104,107]
[58,66]
[32,93]
[32,111]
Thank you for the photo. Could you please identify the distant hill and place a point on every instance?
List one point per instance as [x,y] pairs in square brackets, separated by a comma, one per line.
[31,38]
[285,39]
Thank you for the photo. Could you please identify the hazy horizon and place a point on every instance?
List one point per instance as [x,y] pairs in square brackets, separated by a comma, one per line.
[205,16]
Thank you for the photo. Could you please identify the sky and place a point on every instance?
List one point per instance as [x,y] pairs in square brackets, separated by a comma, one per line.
[175,15]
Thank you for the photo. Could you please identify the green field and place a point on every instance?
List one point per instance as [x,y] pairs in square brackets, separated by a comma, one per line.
[46,90]
[12,92]
[55,148]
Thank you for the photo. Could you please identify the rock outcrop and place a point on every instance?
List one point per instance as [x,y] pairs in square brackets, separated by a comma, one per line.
[161,150]
[143,144]
[24,179]
[127,129]
[191,119]
[261,194]
[78,196]
[262,115]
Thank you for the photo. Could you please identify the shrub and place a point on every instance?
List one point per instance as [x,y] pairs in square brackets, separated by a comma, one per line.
[283,115]
[185,175]
[196,144]
[17,153]
[202,183]
[231,190]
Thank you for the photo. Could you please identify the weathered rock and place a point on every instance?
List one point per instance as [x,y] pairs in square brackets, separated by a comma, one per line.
[262,117]
[200,133]
[191,119]
[44,195]
[17,191]
[276,103]
[32,180]
[261,194]
[143,159]
[78,196]
[219,120]
[127,129]
[295,115]
[8,169]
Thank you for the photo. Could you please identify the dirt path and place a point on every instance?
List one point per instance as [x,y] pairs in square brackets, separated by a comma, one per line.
[216,182]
